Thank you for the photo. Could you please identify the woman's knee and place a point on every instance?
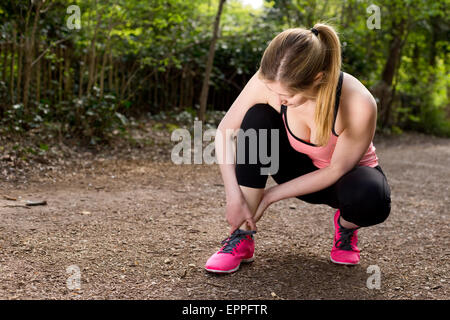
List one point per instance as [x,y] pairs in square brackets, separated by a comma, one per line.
[366,202]
[259,116]
[367,213]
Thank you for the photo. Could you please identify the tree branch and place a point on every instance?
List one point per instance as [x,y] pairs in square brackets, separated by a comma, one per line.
[45,51]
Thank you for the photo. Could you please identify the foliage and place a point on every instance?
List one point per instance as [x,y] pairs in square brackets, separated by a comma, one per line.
[134,57]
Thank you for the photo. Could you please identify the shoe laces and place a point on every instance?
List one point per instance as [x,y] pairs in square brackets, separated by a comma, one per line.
[345,237]
[234,239]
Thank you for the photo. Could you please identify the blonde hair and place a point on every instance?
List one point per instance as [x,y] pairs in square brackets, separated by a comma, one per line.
[295,57]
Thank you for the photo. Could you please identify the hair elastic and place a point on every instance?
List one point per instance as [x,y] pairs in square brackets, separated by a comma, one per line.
[315,31]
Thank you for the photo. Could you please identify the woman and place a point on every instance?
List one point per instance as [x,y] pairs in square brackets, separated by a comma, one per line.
[326,121]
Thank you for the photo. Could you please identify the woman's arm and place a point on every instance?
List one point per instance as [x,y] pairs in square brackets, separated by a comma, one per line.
[237,211]
[225,154]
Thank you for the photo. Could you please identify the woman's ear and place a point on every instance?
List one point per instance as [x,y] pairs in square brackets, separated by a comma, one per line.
[318,78]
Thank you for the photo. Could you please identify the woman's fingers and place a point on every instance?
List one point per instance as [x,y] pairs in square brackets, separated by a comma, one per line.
[235,225]
[251,223]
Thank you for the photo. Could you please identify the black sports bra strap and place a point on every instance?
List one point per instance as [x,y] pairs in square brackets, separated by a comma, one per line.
[338,97]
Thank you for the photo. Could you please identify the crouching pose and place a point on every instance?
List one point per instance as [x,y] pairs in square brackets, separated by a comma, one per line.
[317,123]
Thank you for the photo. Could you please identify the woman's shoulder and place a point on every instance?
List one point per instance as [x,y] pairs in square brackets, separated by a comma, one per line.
[353,89]
[356,100]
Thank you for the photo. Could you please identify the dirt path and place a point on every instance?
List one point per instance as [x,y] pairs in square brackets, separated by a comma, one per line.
[139,229]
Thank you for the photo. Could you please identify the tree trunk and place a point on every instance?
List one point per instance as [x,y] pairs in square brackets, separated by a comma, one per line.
[13,58]
[117,72]
[82,68]
[155,95]
[191,91]
[67,75]
[19,71]
[3,74]
[44,78]
[181,93]
[209,64]
[49,82]
[29,48]
[166,87]
[102,71]
[111,72]
[123,82]
[38,75]
[151,92]
[116,78]
[130,76]
[176,95]
[60,73]
[105,58]
[432,52]
[5,61]
[2,49]
[97,63]
[383,89]
[92,56]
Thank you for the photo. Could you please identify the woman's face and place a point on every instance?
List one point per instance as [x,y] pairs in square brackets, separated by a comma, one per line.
[286,97]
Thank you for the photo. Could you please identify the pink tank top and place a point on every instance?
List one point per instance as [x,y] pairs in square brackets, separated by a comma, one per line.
[321,156]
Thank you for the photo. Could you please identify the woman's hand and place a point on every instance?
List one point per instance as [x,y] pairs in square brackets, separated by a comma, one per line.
[237,212]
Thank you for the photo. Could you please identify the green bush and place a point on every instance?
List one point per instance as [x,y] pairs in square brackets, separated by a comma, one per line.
[88,118]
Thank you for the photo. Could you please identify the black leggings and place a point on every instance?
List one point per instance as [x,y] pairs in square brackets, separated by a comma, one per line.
[362,194]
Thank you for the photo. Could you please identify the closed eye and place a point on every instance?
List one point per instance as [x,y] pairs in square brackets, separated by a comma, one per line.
[285,95]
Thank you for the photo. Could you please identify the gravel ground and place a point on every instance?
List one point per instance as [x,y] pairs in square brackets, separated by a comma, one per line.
[138,228]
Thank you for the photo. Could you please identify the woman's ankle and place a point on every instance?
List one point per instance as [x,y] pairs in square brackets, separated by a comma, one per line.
[346,224]
[244,227]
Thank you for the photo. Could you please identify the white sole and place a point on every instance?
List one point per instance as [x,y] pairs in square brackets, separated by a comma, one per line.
[344,263]
[232,270]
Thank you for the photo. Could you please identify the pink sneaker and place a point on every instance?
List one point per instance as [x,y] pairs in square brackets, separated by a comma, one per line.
[239,247]
[344,249]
